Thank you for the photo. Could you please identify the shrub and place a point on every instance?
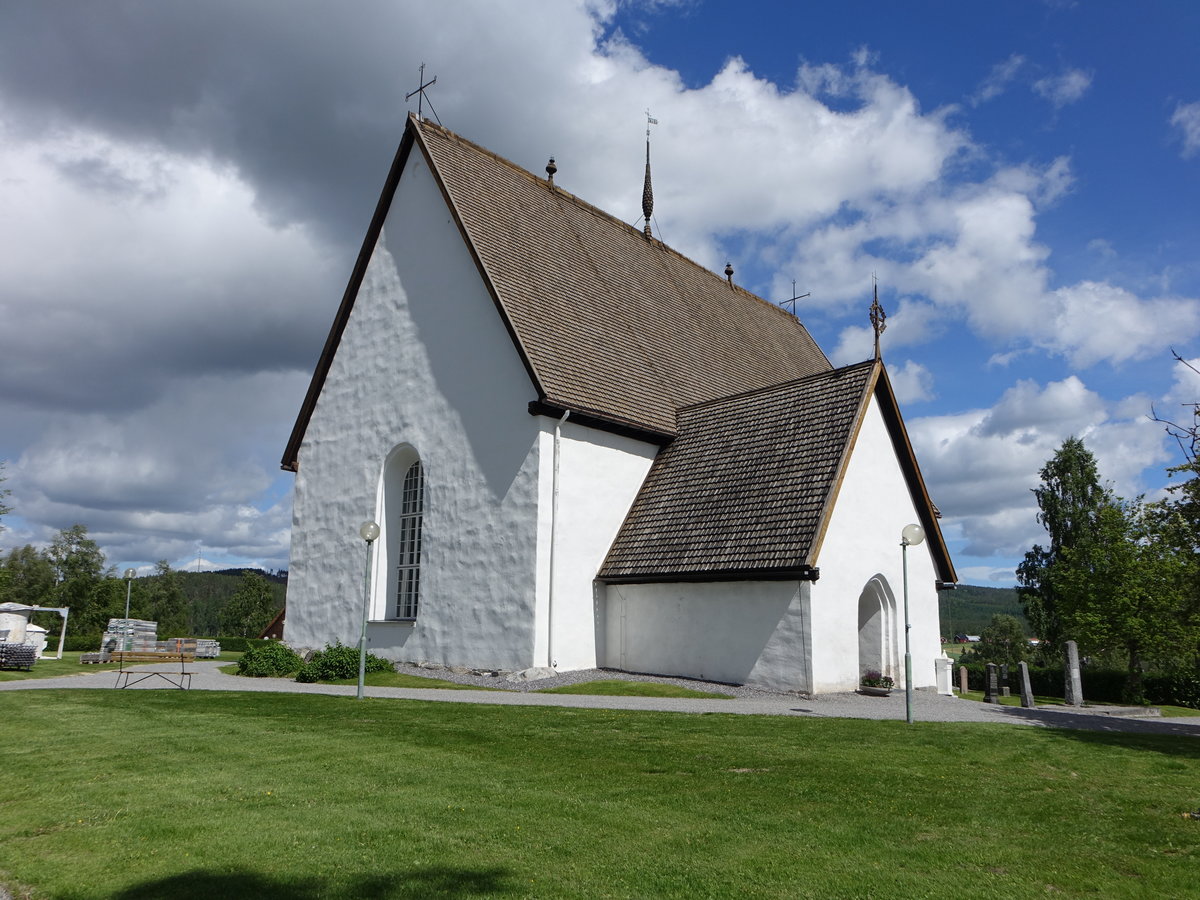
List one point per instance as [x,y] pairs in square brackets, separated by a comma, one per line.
[234,644]
[271,661]
[338,662]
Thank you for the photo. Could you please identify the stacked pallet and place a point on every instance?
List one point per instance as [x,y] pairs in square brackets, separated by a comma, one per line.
[132,634]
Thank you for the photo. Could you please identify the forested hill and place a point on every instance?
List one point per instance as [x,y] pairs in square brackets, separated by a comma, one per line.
[969,608]
[208,593]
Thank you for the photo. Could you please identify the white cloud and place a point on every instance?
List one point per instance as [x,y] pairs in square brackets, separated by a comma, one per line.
[998,79]
[912,382]
[1065,88]
[985,462]
[1187,119]
[1089,322]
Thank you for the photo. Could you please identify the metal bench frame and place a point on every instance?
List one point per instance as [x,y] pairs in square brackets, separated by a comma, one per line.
[129,677]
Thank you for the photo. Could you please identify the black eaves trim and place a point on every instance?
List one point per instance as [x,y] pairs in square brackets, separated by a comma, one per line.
[803,573]
[542,408]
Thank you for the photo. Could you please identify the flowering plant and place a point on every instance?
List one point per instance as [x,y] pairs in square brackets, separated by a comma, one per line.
[875,678]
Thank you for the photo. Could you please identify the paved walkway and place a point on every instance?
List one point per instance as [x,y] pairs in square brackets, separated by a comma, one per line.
[927,706]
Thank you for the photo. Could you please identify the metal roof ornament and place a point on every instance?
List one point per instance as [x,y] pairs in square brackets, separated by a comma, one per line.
[878,320]
[419,93]
[551,168]
[647,187]
[729,272]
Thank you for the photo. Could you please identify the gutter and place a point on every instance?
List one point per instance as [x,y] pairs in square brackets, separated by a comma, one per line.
[553,535]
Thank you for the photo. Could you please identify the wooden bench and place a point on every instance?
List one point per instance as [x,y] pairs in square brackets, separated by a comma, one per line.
[129,677]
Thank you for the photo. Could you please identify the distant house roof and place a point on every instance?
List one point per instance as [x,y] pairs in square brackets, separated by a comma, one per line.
[746,488]
[610,324]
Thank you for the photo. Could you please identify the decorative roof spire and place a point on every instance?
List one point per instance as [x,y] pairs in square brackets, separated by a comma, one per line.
[647,187]
[551,168]
[878,318]
[729,272]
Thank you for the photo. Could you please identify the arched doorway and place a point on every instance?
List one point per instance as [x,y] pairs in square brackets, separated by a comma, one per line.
[877,629]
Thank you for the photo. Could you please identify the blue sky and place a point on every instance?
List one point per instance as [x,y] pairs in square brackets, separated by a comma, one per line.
[185,189]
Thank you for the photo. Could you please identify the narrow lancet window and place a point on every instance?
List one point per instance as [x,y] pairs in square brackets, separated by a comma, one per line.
[408,569]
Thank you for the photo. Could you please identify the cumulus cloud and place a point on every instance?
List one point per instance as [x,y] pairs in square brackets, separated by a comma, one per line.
[185,188]
[985,462]
[1187,119]
[1065,88]
[912,382]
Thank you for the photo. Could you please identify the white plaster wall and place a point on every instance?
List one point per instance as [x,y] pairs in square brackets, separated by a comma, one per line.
[424,360]
[599,477]
[861,542]
[742,632]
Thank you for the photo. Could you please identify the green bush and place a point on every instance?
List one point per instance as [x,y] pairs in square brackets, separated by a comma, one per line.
[274,660]
[338,662]
[233,644]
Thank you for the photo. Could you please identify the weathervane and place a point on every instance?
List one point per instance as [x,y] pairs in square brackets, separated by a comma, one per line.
[878,317]
[795,297]
[647,188]
[421,96]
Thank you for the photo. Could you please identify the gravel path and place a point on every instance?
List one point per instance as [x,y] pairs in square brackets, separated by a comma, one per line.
[927,706]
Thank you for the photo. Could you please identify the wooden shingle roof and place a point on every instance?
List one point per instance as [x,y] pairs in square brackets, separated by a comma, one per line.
[745,484]
[746,488]
[610,324]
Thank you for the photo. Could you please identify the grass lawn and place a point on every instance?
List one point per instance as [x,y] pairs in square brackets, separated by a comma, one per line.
[54,668]
[70,665]
[389,679]
[149,794]
[618,687]
[1015,700]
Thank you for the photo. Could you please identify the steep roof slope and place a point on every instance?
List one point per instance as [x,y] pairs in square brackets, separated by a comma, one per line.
[609,323]
[745,489]
[612,322]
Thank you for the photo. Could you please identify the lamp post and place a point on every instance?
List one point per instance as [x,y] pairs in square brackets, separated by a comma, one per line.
[368,531]
[910,536]
[130,574]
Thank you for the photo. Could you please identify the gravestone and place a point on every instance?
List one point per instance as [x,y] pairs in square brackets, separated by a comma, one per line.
[1004,692]
[1074,685]
[962,679]
[1026,689]
[991,686]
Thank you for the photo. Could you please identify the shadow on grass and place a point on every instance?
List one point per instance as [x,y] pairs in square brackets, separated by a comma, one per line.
[432,881]
[1138,733]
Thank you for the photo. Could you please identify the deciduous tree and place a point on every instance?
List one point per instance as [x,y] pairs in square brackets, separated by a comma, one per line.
[1070,499]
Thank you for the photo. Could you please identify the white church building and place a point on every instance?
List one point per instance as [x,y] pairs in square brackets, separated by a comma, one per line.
[583,449]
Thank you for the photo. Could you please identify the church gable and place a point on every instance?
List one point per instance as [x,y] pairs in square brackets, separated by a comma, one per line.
[742,491]
[614,326]
[747,488]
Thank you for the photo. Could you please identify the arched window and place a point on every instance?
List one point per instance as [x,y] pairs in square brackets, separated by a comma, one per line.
[408,543]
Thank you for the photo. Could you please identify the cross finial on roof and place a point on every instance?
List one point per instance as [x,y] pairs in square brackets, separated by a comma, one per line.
[420,95]
[647,188]
[878,318]
[795,297]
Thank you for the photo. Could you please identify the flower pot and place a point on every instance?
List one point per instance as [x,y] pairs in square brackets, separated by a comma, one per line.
[873,691]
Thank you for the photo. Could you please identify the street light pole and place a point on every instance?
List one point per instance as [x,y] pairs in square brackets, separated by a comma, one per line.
[911,535]
[368,531]
[130,574]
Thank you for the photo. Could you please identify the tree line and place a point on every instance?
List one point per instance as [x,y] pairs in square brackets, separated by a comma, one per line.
[72,572]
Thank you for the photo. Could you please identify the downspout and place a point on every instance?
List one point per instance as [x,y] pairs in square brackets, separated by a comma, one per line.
[553,533]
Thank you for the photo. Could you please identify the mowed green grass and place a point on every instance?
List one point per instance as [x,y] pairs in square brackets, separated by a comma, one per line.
[619,687]
[148,794]
[56,668]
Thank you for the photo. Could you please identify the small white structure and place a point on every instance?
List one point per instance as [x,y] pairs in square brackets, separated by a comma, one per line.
[583,449]
[14,619]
